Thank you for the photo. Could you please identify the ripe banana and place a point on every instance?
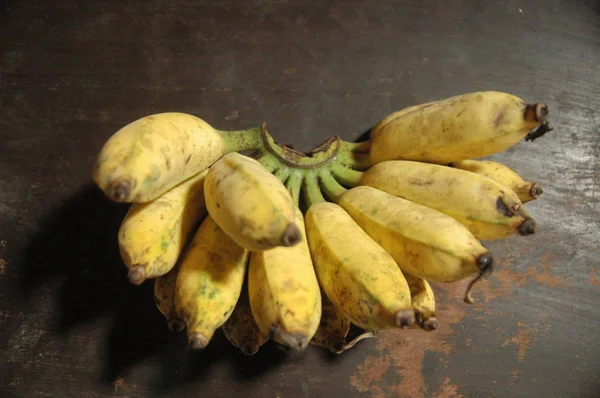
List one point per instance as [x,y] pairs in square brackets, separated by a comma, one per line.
[284,292]
[209,282]
[423,302]
[153,235]
[164,298]
[423,241]
[333,330]
[466,126]
[250,204]
[147,157]
[489,209]
[359,277]
[526,191]
[241,329]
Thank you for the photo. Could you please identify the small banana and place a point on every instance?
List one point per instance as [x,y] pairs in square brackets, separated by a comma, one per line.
[489,209]
[153,235]
[333,330]
[241,329]
[462,127]
[423,302]
[209,282]
[423,241]
[148,156]
[359,277]
[164,298]
[250,204]
[284,292]
[526,191]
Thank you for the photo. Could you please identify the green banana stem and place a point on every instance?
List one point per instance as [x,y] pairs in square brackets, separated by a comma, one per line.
[348,177]
[312,192]
[354,155]
[268,161]
[282,173]
[333,190]
[293,185]
[242,140]
[358,147]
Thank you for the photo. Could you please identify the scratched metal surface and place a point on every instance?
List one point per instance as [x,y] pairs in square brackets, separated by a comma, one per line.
[73,72]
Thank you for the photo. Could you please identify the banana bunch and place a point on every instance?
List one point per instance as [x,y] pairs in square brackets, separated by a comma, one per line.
[327,247]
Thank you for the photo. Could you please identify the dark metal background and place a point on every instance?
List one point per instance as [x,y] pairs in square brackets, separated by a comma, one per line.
[74,72]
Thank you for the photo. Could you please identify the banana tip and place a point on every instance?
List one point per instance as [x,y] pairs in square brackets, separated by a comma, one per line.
[249,348]
[337,347]
[295,341]
[430,324]
[137,274]
[198,341]
[291,235]
[176,325]
[527,227]
[405,318]
[536,190]
[119,190]
[485,262]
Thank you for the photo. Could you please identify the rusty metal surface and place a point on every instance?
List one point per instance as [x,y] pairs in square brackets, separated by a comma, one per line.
[73,72]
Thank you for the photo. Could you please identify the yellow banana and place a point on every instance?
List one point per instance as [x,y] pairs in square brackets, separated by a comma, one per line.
[462,127]
[424,242]
[147,157]
[423,302]
[241,329]
[153,235]
[333,330]
[250,204]
[359,277]
[489,209]
[526,191]
[284,292]
[209,282]
[164,298]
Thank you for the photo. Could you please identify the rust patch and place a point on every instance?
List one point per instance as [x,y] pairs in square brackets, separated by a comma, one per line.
[448,390]
[2,267]
[404,350]
[522,340]
[370,372]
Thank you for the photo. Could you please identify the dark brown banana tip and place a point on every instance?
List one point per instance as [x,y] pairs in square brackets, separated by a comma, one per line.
[337,347]
[119,190]
[405,318]
[137,274]
[291,235]
[536,190]
[249,348]
[430,324]
[176,325]
[527,227]
[485,262]
[198,341]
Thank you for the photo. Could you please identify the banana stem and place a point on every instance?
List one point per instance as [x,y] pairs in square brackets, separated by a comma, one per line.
[293,185]
[333,190]
[268,161]
[358,147]
[242,140]
[282,173]
[355,155]
[312,192]
[346,176]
